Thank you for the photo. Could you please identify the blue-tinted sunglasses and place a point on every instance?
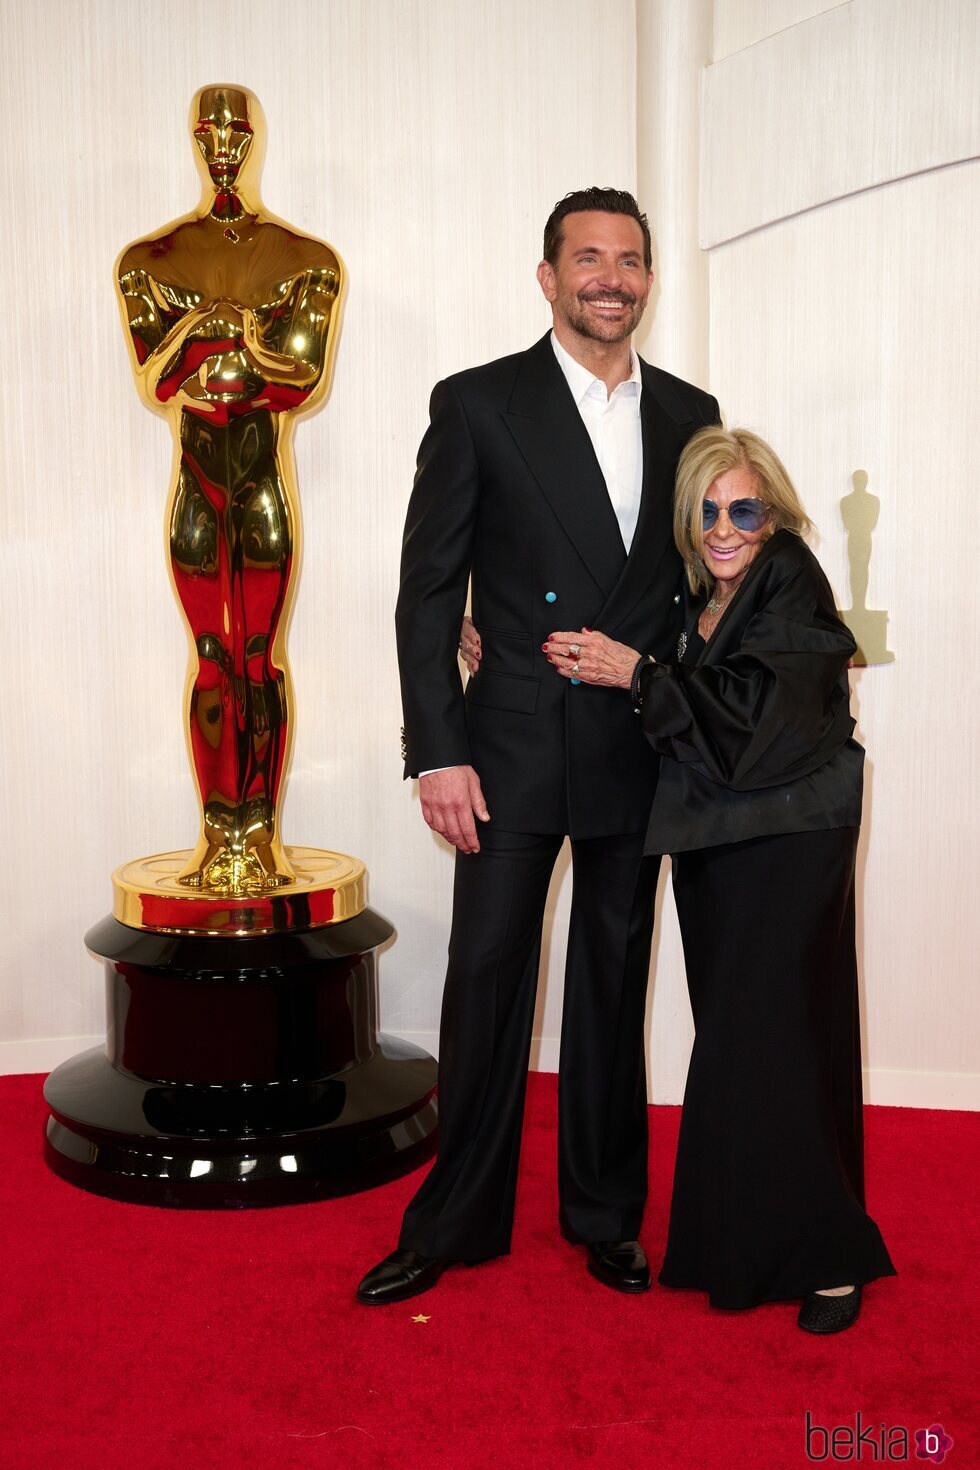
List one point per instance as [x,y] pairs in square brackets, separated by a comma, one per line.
[745,515]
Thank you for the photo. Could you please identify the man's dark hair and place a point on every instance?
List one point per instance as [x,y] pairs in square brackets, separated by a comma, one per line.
[607,201]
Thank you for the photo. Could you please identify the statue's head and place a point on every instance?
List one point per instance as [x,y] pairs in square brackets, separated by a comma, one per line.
[228,129]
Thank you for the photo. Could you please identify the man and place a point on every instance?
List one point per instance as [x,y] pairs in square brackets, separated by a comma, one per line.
[547,477]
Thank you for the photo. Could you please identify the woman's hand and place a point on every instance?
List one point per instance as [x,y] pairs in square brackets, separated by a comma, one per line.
[593,658]
[470,645]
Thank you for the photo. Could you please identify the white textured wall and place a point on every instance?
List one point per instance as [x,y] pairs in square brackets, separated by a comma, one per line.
[853,96]
[426,140]
[844,327]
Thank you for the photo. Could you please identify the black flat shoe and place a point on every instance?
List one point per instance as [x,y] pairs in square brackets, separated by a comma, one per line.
[829,1313]
[399,1276]
[620,1264]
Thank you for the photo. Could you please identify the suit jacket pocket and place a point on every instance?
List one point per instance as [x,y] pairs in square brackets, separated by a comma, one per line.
[504,691]
[507,652]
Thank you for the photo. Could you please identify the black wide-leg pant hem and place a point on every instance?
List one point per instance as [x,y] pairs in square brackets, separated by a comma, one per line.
[464,1208]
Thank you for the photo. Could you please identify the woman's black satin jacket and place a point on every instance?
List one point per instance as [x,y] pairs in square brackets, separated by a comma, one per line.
[755,733]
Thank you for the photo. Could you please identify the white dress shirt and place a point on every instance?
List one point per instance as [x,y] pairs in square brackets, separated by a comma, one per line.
[613,424]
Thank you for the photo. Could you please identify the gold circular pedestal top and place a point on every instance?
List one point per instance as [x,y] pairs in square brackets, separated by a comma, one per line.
[329,887]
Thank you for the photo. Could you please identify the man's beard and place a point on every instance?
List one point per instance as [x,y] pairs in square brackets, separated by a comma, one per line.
[591,322]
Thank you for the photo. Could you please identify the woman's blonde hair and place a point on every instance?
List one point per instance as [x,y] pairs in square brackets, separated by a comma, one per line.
[710,453]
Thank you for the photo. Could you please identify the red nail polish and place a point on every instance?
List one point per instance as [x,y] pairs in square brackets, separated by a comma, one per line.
[544,648]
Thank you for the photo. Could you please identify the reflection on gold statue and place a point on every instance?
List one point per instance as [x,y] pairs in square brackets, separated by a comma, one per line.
[232,321]
[859,512]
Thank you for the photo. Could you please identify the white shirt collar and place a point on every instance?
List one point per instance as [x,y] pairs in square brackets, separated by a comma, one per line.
[581,381]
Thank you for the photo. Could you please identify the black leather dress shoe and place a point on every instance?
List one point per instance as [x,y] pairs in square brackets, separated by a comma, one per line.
[399,1276]
[620,1264]
[829,1313]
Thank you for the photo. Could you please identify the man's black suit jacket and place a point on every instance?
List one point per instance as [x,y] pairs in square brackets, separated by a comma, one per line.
[508,489]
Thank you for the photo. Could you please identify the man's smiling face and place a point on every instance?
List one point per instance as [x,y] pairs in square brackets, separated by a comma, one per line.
[599,287]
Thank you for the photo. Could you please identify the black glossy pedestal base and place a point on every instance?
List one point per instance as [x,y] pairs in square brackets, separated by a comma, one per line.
[240,1071]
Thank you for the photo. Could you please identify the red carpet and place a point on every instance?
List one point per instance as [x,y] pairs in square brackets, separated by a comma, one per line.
[154,1339]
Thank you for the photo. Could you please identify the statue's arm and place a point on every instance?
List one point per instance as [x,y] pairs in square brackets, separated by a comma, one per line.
[164,320]
[290,338]
[286,341]
[158,316]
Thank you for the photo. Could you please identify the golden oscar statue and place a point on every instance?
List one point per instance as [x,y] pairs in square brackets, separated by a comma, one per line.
[243,1063]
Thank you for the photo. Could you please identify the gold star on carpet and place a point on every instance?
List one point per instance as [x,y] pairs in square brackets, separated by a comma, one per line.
[420,1318]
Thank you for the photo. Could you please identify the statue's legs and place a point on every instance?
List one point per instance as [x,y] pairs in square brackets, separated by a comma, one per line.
[231,550]
[859,556]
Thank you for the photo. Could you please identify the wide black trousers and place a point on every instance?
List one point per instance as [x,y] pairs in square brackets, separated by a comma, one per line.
[464,1209]
[768,1198]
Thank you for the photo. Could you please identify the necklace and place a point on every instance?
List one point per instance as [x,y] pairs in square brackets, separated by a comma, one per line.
[714,605]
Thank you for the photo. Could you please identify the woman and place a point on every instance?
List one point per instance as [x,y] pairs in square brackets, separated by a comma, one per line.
[759,803]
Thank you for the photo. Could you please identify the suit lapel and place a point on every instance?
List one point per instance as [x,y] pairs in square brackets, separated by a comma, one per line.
[664,422]
[549,432]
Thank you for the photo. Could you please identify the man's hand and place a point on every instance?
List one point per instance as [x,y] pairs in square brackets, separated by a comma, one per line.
[450,799]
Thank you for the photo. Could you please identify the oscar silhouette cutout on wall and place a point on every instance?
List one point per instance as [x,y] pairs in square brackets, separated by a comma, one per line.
[859,512]
[243,1063]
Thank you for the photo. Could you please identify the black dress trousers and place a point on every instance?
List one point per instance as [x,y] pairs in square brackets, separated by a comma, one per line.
[768,1198]
[464,1209]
